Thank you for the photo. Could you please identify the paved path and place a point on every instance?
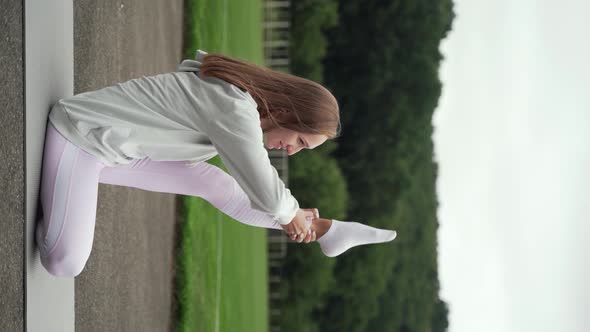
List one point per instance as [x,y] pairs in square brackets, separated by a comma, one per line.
[127,282]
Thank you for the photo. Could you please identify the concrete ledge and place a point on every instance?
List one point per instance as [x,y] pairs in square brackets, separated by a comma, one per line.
[49,75]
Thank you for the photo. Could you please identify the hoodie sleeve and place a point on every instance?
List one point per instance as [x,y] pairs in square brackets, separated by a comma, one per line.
[234,129]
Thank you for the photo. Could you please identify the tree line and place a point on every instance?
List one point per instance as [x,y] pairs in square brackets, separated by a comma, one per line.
[380,59]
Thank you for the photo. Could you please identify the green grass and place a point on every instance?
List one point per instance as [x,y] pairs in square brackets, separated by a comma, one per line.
[222,264]
[232,27]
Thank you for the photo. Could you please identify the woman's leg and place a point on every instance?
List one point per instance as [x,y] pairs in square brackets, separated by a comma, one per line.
[69,192]
[204,180]
[222,191]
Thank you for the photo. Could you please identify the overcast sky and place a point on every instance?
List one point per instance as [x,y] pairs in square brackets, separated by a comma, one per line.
[512,141]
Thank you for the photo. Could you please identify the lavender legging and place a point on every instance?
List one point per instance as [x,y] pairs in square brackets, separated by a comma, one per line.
[69,193]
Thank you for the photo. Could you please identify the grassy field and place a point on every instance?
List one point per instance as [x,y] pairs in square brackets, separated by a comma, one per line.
[222,264]
[232,27]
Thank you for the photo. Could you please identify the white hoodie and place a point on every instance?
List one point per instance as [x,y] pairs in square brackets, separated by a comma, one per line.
[178,116]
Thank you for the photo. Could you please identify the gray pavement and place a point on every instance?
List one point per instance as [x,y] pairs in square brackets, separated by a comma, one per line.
[12,168]
[127,283]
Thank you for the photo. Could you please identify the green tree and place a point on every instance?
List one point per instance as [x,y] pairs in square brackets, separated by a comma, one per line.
[316,181]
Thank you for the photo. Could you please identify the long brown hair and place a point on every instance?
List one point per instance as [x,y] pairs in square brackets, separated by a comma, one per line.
[306,106]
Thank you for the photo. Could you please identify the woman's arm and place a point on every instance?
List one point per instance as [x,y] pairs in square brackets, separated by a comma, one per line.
[237,136]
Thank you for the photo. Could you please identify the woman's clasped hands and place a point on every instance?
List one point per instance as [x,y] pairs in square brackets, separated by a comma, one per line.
[299,229]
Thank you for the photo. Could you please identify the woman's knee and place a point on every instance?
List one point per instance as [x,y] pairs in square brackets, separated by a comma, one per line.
[63,265]
[62,259]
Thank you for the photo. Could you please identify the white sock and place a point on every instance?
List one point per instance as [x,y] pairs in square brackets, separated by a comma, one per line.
[344,235]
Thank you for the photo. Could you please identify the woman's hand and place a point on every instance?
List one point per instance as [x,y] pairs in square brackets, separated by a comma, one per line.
[311,236]
[315,212]
[299,229]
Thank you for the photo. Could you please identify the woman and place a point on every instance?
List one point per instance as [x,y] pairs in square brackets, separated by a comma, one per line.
[155,133]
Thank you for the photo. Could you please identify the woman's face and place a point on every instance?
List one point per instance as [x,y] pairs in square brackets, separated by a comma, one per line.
[292,141]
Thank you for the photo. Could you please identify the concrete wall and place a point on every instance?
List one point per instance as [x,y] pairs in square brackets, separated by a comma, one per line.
[12,171]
